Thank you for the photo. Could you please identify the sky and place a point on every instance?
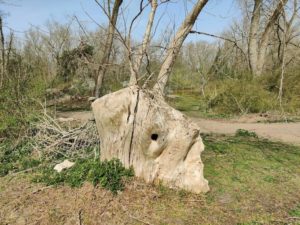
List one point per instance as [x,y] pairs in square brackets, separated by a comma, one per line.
[20,15]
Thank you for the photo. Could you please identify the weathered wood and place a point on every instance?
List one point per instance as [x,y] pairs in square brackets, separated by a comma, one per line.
[138,127]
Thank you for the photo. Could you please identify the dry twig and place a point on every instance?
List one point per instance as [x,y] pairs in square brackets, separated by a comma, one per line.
[51,139]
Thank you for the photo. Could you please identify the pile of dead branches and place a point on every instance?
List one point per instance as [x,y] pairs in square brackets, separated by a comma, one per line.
[52,139]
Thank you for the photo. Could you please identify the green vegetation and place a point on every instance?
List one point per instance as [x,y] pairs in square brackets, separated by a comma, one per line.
[193,105]
[229,97]
[295,212]
[107,174]
[245,133]
[246,170]
[14,158]
[20,157]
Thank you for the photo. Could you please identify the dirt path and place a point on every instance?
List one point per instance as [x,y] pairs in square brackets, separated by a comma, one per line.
[286,132]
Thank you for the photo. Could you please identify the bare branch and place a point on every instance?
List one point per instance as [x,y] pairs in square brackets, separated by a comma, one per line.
[109,42]
[176,44]
[145,44]
[234,42]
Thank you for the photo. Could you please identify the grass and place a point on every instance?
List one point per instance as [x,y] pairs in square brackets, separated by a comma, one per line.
[19,157]
[245,170]
[252,181]
[195,106]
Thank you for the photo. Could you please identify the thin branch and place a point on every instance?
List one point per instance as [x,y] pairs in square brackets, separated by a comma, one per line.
[145,44]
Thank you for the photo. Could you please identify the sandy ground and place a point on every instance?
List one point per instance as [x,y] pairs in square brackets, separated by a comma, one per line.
[285,132]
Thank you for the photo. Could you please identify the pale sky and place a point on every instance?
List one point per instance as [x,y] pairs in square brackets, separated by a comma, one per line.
[21,14]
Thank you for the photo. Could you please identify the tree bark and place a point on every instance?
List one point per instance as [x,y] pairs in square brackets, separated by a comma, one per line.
[253,36]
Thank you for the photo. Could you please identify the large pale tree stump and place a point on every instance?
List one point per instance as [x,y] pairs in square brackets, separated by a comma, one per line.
[143,131]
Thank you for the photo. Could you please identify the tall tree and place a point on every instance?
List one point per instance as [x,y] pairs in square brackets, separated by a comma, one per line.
[259,34]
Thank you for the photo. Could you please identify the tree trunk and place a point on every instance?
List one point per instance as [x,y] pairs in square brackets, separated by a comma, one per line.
[258,44]
[139,128]
[175,46]
[2,67]
[136,66]
[108,46]
[253,37]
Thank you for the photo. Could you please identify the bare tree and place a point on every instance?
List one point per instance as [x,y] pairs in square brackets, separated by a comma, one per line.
[286,38]
[259,40]
[135,66]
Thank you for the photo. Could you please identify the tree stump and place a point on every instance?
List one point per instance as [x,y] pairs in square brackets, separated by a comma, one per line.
[138,127]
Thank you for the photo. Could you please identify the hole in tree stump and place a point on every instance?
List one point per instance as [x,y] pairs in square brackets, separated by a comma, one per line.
[154,137]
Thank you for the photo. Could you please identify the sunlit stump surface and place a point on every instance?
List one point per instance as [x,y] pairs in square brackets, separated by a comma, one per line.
[159,142]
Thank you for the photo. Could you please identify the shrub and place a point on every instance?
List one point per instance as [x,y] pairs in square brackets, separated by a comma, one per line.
[239,96]
[245,133]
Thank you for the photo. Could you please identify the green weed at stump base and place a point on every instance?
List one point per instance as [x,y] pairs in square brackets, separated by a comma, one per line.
[107,174]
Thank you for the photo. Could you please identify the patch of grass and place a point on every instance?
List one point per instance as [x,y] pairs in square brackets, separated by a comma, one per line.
[247,171]
[186,102]
[245,133]
[107,174]
[253,181]
[250,223]
[194,105]
[295,212]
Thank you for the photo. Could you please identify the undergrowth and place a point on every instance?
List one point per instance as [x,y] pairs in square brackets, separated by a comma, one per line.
[38,152]
[107,174]
[16,157]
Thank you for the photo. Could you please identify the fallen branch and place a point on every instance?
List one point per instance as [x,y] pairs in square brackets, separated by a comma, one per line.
[51,139]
